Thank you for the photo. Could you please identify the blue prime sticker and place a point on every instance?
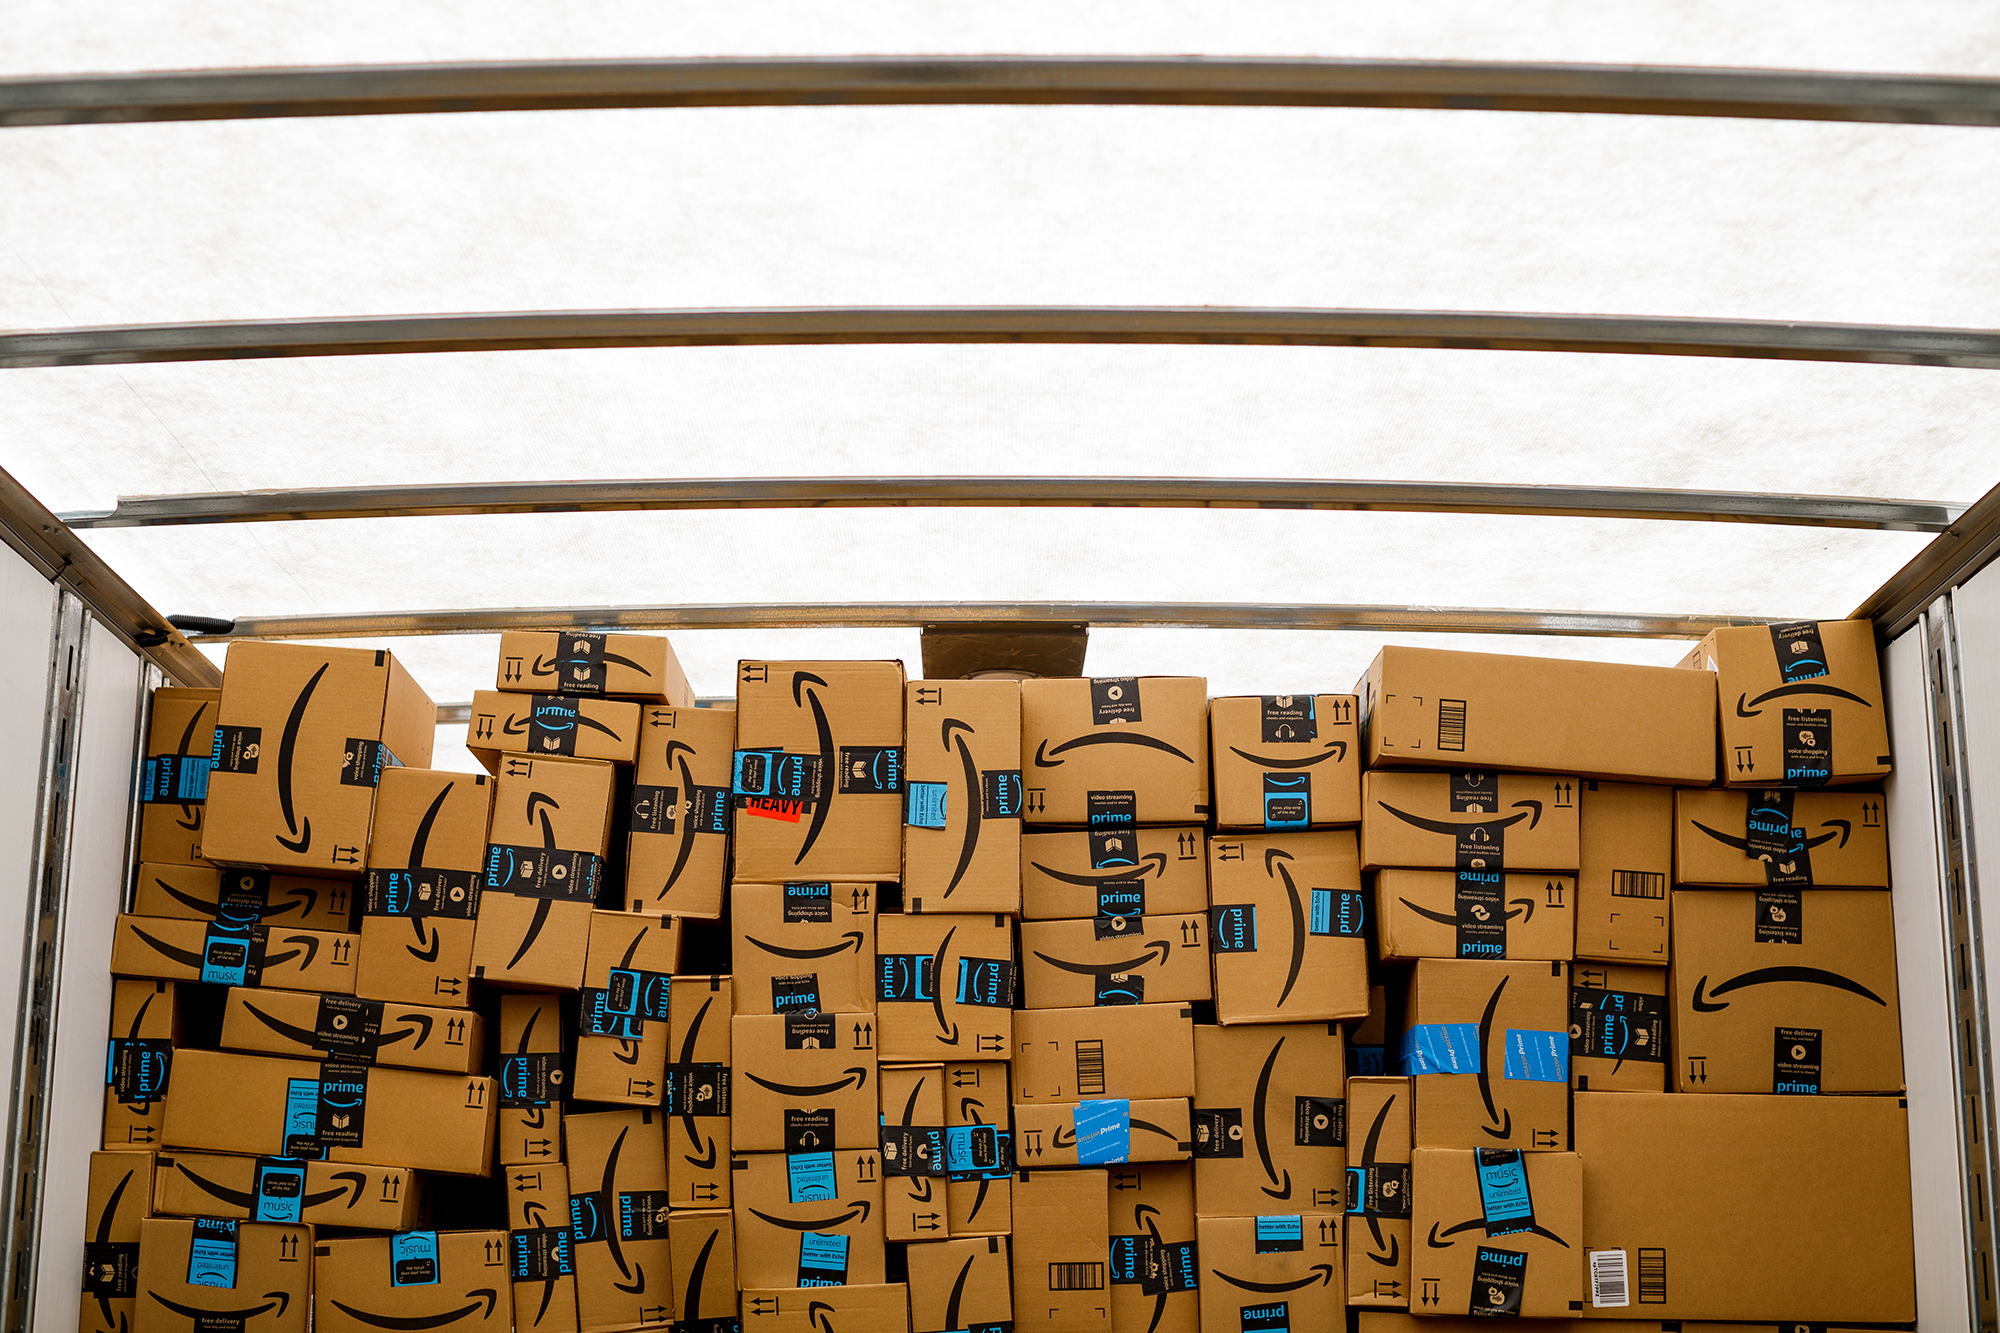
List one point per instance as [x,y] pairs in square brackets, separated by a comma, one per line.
[302,1118]
[822,1260]
[1357,1189]
[1441,1048]
[1271,1317]
[986,981]
[225,955]
[810,1178]
[212,1253]
[1337,912]
[1368,1061]
[1537,1057]
[1103,1132]
[413,1259]
[1232,928]
[924,807]
[177,779]
[1282,1234]
[1503,1191]
[280,1191]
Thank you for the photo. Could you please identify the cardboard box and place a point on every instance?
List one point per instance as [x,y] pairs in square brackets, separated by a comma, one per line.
[945,985]
[1503,1231]
[1102,1133]
[1288,927]
[913,1152]
[1618,1028]
[1627,859]
[1155,1270]
[1115,960]
[173,785]
[537,1063]
[803,948]
[818,775]
[623,1043]
[677,826]
[1067,874]
[803,1084]
[302,736]
[1276,1273]
[979,1148]
[1785,990]
[1270,1118]
[618,1204]
[138,1067]
[286,957]
[341,1027]
[1378,1193]
[1468,820]
[1368,1040]
[120,1199]
[699,1082]
[544,868]
[541,1248]
[962,811]
[413,1279]
[426,862]
[1135,1051]
[1754,839]
[1062,1242]
[273,1189]
[1434,708]
[549,725]
[575,662]
[243,895]
[296,1108]
[1819,1231]
[1487,1048]
[1286,761]
[1801,702]
[704,1259]
[215,1273]
[811,1219]
[878,1308]
[960,1284]
[1115,751]
[1477,914]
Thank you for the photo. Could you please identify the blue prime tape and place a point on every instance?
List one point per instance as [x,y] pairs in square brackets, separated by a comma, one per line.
[413,1259]
[822,1260]
[925,805]
[212,1253]
[279,1192]
[1103,1132]
[1441,1048]
[1280,1234]
[1503,1191]
[810,1178]
[1538,1057]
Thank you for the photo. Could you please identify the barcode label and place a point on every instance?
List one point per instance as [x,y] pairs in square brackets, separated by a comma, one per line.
[1638,884]
[1451,724]
[1607,1279]
[1089,1068]
[1652,1277]
[1076,1277]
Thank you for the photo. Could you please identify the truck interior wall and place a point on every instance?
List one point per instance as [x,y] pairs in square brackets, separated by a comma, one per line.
[27,601]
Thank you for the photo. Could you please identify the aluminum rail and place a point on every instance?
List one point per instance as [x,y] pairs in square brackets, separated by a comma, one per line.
[363,90]
[1965,547]
[913,615]
[564,497]
[501,331]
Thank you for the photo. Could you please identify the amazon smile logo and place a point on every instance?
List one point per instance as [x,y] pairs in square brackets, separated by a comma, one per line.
[1530,810]
[288,745]
[1767,976]
[859,1212]
[823,730]
[973,812]
[857,1076]
[1321,1276]
[1440,1240]
[1044,756]
[853,939]
[280,1301]
[1335,750]
[482,1299]
[1746,707]
[1152,862]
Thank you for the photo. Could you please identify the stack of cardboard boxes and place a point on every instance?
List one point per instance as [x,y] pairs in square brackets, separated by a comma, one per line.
[928,1006]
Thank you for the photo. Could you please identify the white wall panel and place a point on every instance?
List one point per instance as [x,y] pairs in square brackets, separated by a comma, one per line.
[27,601]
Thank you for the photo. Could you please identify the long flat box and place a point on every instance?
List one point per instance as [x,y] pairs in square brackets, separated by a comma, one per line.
[119,1200]
[214,1273]
[979,1148]
[1107,752]
[960,1284]
[292,958]
[884,1307]
[1270,1118]
[809,1219]
[803,1083]
[1121,960]
[1102,1133]
[1801,702]
[576,662]
[241,895]
[618,1205]
[803,948]
[302,737]
[704,1259]
[1453,914]
[677,824]
[180,744]
[1618,1023]
[1434,708]
[1785,990]
[541,1242]
[1286,762]
[945,985]
[1062,1238]
[1626,845]
[304,1026]
[1818,1232]
[1503,1231]
[962,815]
[138,1069]
[544,868]
[267,1189]
[1155,1269]
[426,861]
[913,1153]
[551,725]
[417,1279]
[1468,819]
[1131,1051]
[818,779]
[699,1083]
[1287,931]
[266,1106]
[1072,873]
[1829,839]
[537,1065]
[1378,1193]
[1271,1272]
[1487,1048]
[623,1043]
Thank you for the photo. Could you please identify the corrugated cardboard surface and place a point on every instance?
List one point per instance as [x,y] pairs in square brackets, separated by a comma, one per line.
[429,849]
[1069,874]
[803,1084]
[624,1277]
[1484,1107]
[1618,1024]
[182,727]
[960,1284]
[616,666]
[421,960]
[1269,1119]
[195,893]
[628,1070]
[913,1153]
[1626,846]
[963,767]
[877,1308]
[550,724]
[1247,1285]
[1766,701]
[1268,756]
[811,946]
[1420,914]
[1139,742]
[1539,1257]
[118,1199]
[1155,1262]
[1840,839]
[1068,1055]
[1048,1134]
[700,1092]
[960,1000]
[1115,961]
[542,808]
[1062,1240]
[145,1028]
[538,1211]
[359,1283]
[1378,1192]
[288,957]
[680,866]
[293,1023]
[979,1094]
[782,1212]
[1420,821]
[272,1270]
[1287,920]
[704,1259]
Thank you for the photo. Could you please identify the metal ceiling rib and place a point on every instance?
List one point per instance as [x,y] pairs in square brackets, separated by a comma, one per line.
[925,80]
[1966,547]
[542,497]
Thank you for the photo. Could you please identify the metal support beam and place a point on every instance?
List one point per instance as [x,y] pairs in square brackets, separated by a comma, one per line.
[566,497]
[1967,545]
[384,335]
[1007,80]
